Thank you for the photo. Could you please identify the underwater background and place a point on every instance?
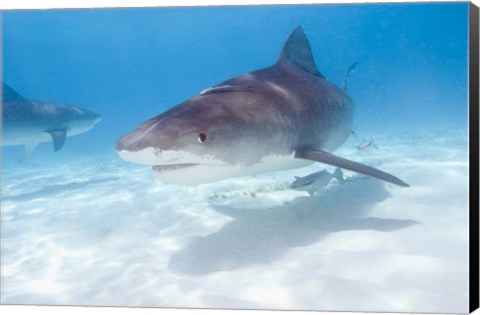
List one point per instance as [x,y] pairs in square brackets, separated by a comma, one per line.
[81,226]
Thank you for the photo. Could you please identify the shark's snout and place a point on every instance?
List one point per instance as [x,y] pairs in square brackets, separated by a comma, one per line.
[126,143]
[119,145]
[132,149]
[138,139]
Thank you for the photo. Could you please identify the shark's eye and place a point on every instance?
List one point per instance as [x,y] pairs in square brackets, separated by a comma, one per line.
[202,137]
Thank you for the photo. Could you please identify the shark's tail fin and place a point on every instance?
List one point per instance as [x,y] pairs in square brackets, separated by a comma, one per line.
[350,69]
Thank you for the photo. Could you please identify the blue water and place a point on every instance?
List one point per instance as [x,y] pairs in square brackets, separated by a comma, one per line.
[132,64]
[81,226]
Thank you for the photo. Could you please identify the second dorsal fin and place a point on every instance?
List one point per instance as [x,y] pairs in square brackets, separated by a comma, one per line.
[297,52]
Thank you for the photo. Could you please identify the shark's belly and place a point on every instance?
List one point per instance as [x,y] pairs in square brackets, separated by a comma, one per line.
[332,139]
[332,127]
[21,137]
[14,135]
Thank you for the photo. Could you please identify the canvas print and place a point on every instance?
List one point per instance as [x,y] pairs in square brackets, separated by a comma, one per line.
[301,157]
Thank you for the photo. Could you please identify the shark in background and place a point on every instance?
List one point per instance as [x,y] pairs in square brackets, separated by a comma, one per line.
[28,122]
[283,117]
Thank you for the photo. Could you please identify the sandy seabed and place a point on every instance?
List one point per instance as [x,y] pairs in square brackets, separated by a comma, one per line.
[101,231]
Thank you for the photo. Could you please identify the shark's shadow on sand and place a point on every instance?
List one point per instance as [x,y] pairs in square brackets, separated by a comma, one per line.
[260,236]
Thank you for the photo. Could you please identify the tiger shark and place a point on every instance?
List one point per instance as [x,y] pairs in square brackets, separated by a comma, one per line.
[282,117]
[28,122]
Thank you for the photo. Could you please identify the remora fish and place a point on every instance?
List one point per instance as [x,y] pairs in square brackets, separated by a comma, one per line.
[367,144]
[313,183]
[27,122]
[282,117]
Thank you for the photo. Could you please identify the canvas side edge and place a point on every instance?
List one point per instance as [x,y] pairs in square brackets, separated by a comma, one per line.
[474,156]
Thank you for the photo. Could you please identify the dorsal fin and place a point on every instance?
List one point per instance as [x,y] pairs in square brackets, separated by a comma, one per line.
[10,95]
[297,52]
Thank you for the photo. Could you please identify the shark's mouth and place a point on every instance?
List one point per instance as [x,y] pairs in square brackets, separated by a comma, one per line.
[166,161]
[172,167]
[191,174]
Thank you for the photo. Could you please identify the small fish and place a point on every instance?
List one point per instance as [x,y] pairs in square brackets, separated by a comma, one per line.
[367,144]
[313,183]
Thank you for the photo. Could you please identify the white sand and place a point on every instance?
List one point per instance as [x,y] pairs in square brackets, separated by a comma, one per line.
[104,232]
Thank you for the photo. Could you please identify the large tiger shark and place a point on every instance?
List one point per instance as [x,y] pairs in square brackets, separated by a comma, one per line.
[27,122]
[282,117]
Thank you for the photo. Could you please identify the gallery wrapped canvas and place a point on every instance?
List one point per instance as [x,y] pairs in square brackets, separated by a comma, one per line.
[284,157]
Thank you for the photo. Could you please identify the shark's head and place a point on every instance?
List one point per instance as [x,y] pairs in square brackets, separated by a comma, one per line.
[79,120]
[246,125]
[210,137]
[94,118]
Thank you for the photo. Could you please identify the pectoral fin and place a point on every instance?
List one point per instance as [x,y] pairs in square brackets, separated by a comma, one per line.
[58,138]
[328,158]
